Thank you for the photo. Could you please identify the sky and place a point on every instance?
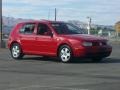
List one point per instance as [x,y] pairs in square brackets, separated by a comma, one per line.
[103,12]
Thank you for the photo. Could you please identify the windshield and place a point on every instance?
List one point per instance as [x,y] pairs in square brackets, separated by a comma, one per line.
[66,28]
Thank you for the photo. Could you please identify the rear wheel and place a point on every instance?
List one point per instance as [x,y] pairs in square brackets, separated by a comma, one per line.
[65,53]
[16,51]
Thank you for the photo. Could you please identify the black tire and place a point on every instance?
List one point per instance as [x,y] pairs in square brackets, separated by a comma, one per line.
[65,53]
[16,51]
[97,59]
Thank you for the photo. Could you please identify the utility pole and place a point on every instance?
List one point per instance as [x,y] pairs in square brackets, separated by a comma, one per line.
[55,14]
[1,22]
[89,24]
[1,39]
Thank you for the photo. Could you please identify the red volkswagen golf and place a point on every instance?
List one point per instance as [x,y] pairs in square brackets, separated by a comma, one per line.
[56,39]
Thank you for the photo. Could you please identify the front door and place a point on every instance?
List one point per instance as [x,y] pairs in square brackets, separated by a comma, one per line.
[45,42]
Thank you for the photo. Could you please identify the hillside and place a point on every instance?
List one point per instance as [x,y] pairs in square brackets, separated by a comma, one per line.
[9,22]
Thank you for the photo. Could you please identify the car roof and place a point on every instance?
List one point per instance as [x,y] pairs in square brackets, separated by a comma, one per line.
[41,21]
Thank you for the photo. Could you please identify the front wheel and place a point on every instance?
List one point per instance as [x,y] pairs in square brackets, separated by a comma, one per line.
[65,53]
[16,51]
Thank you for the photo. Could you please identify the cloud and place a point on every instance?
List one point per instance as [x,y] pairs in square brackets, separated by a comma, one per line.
[67,9]
[40,2]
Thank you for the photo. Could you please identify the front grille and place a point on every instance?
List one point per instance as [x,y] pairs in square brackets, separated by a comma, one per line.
[95,43]
[99,43]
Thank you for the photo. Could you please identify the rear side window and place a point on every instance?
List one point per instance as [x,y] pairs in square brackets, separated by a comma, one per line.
[27,28]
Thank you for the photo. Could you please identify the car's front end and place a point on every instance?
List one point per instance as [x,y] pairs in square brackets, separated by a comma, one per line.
[80,44]
[93,49]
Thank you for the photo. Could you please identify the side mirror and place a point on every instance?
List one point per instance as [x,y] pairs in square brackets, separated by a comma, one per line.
[51,34]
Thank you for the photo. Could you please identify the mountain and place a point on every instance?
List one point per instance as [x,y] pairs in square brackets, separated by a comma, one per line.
[84,25]
[9,22]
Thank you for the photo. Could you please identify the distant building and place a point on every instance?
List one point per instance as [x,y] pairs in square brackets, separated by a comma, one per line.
[117,27]
[106,32]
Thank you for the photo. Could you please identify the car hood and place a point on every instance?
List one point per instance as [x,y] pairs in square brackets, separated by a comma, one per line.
[84,37]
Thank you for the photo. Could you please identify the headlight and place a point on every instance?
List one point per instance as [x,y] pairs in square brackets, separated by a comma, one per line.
[87,43]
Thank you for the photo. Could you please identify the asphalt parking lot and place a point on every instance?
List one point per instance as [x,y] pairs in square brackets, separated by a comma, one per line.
[37,73]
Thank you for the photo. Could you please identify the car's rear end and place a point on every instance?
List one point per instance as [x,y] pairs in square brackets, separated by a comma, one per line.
[13,35]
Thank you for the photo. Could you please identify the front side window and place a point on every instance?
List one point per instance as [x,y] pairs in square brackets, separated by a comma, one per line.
[43,29]
[66,28]
[27,29]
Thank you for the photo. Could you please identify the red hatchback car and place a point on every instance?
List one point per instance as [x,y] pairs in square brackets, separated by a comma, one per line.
[56,39]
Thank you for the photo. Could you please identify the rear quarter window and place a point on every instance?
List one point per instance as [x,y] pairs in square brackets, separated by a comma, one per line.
[27,28]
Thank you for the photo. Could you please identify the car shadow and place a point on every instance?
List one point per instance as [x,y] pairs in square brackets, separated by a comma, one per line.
[74,61]
[104,61]
[44,59]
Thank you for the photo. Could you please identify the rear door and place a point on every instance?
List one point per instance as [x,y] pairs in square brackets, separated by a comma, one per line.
[27,37]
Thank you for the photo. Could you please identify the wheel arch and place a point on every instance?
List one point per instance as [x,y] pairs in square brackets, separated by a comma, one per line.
[13,43]
[62,45]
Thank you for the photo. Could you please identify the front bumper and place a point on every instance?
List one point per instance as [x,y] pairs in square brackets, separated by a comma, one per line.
[94,51]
